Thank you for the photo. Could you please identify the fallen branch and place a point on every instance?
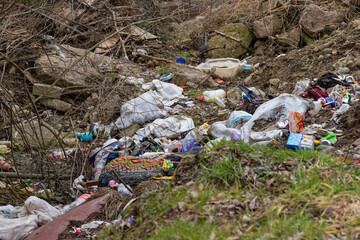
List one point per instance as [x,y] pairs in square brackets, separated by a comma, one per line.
[117,175]
[155,58]
[27,175]
[208,77]
[119,36]
[231,38]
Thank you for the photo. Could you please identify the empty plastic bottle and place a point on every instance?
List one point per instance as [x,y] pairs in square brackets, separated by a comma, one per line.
[220,130]
[87,136]
[198,133]
[83,198]
[215,96]
[4,149]
[122,190]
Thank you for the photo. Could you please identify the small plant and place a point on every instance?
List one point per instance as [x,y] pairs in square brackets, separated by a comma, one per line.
[161,70]
[186,54]
[111,75]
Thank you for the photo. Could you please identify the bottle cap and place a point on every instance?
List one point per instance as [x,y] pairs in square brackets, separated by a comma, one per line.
[200,97]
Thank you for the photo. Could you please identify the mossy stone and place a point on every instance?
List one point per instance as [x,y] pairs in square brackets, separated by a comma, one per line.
[228,47]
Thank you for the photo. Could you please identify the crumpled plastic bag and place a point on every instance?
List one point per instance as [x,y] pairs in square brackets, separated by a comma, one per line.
[147,107]
[150,105]
[186,147]
[343,109]
[301,86]
[170,127]
[277,108]
[336,92]
[168,92]
[38,212]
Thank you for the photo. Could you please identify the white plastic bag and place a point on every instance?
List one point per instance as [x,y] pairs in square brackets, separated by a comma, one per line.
[134,81]
[170,127]
[336,92]
[168,93]
[277,108]
[343,109]
[38,212]
[301,86]
[146,107]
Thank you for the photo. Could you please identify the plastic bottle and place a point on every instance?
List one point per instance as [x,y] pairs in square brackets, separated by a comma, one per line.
[100,130]
[220,130]
[78,201]
[5,166]
[122,190]
[4,149]
[87,136]
[346,98]
[317,107]
[215,96]
[198,133]
[234,96]
[344,108]
[357,94]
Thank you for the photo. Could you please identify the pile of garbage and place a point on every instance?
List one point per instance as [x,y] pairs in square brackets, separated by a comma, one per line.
[166,135]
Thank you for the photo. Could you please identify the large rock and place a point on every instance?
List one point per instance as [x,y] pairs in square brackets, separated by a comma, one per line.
[56,104]
[315,21]
[267,26]
[29,134]
[87,71]
[40,88]
[267,6]
[227,47]
[291,38]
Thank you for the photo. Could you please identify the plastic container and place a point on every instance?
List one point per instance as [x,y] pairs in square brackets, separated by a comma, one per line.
[215,96]
[225,67]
